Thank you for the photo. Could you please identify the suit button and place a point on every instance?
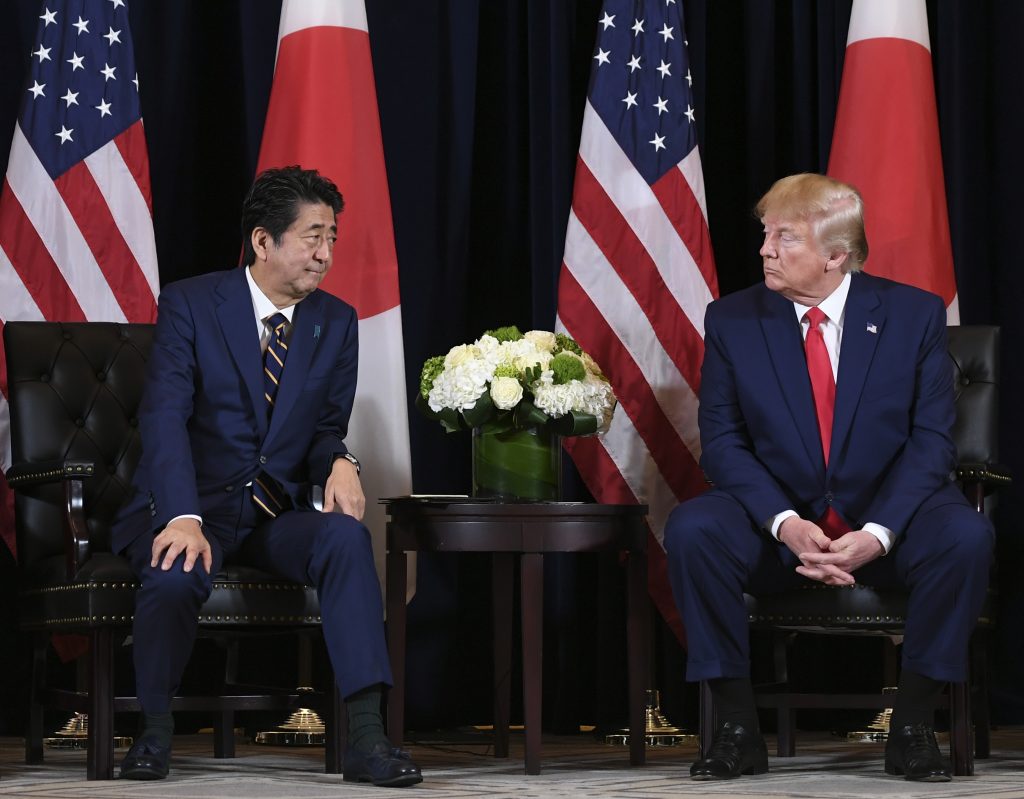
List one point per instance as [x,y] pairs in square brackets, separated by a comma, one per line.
[229,489]
[829,497]
[263,458]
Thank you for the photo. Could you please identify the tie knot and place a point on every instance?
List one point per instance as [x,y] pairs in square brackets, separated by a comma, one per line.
[815,316]
[276,322]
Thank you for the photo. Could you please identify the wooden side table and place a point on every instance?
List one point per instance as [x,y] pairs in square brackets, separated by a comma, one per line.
[526,531]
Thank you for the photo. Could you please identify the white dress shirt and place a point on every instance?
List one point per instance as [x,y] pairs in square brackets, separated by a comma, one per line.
[834,308]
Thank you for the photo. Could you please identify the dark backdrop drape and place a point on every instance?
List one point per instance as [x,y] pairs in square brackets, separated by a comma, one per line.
[481,103]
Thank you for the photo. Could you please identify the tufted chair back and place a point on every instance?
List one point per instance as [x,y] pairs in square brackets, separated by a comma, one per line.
[74,391]
[85,380]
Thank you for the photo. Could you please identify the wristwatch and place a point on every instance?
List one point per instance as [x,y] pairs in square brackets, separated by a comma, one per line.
[351,459]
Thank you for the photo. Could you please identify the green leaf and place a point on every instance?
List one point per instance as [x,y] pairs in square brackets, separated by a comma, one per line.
[526,414]
[576,424]
[483,411]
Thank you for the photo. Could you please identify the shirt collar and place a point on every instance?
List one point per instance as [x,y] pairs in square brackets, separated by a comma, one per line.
[833,306]
[262,305]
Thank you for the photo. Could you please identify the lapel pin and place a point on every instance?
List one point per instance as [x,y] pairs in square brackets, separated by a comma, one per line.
[872,327]
[316,332]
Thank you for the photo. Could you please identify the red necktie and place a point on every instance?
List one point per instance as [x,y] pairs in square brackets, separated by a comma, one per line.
[823,387]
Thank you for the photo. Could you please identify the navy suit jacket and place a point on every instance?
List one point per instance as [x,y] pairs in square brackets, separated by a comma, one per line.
[891,449]
[203,418]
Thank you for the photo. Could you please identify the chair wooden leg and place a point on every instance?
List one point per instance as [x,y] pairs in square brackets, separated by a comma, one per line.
[336,731]
[961,751]
[785,715]
[34,733]
[224,734]
[100,758]
[502,568]
[980,699]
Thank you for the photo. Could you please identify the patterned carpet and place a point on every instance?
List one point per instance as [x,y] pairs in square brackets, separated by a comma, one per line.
[461,766]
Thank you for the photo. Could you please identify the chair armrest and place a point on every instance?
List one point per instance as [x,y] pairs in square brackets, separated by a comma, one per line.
[71,474]
[21,475]
[989,474]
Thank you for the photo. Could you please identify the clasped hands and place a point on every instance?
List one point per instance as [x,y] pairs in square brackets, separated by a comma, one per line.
[821,558]
[343,493]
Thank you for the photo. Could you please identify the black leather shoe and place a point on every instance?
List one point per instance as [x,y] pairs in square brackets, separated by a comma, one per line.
[913,752]
[735,750]
[382,765]
[146,760]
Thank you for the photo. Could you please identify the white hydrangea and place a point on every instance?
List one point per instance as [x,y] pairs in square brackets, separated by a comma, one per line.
[459,386]
[591,395]
[524,354]
[506,392]
[490,349]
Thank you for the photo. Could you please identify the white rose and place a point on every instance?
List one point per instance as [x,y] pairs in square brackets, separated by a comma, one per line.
[461,354]
[506,392]
[541,339]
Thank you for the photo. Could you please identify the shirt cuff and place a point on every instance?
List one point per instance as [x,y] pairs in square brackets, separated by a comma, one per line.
[187,516]
[774,523]
[885,536]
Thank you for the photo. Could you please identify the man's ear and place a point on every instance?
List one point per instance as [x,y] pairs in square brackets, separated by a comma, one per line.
[837,260]
[260,240]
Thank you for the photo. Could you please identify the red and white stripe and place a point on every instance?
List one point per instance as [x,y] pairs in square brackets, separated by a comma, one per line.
[636,278]
[886,143]
[78,248]
[323,115]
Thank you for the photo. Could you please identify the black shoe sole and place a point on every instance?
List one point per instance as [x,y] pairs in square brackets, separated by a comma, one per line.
[140,774]
[747,772]
[896,771]
[403,781]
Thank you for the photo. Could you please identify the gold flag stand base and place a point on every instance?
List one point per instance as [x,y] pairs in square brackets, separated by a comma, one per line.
[304,727]
[658,731]
[75,735]
[878,730]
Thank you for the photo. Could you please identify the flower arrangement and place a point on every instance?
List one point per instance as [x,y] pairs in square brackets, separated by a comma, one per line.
[512,380]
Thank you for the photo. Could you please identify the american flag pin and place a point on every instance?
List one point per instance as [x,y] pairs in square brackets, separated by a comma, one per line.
[316,332]
[872,327]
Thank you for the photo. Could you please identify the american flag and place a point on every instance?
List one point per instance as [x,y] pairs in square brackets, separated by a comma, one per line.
[76,222]
[638,270]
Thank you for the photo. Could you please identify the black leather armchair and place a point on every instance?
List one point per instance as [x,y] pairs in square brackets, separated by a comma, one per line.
[862,610]
[74,391]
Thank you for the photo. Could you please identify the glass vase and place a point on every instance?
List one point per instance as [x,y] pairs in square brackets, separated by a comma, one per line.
[517,465]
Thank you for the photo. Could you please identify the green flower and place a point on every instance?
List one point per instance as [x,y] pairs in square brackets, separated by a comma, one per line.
[567,368]
[508,333]
[506,370]
[431,369]
[563,342]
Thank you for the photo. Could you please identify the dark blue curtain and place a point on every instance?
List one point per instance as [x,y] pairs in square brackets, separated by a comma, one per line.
[481,103]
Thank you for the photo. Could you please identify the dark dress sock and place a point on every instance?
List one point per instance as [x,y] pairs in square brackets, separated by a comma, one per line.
[158,727]
[915,700]
[734,702]
[365,723]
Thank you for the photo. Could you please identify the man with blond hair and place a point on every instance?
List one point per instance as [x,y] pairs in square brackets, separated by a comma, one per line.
[826,406]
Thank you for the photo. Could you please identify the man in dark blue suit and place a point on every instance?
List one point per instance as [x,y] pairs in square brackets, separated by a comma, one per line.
[826,405]
[248,395]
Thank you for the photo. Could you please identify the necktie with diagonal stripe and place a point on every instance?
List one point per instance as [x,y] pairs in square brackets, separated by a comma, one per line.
[266,492]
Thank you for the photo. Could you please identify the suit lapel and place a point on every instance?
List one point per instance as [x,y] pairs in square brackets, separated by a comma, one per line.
[307,324]
[238,326]
[786,350]
[862,328]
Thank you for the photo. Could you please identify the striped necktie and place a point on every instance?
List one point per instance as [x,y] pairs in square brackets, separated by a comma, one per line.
[266,492]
